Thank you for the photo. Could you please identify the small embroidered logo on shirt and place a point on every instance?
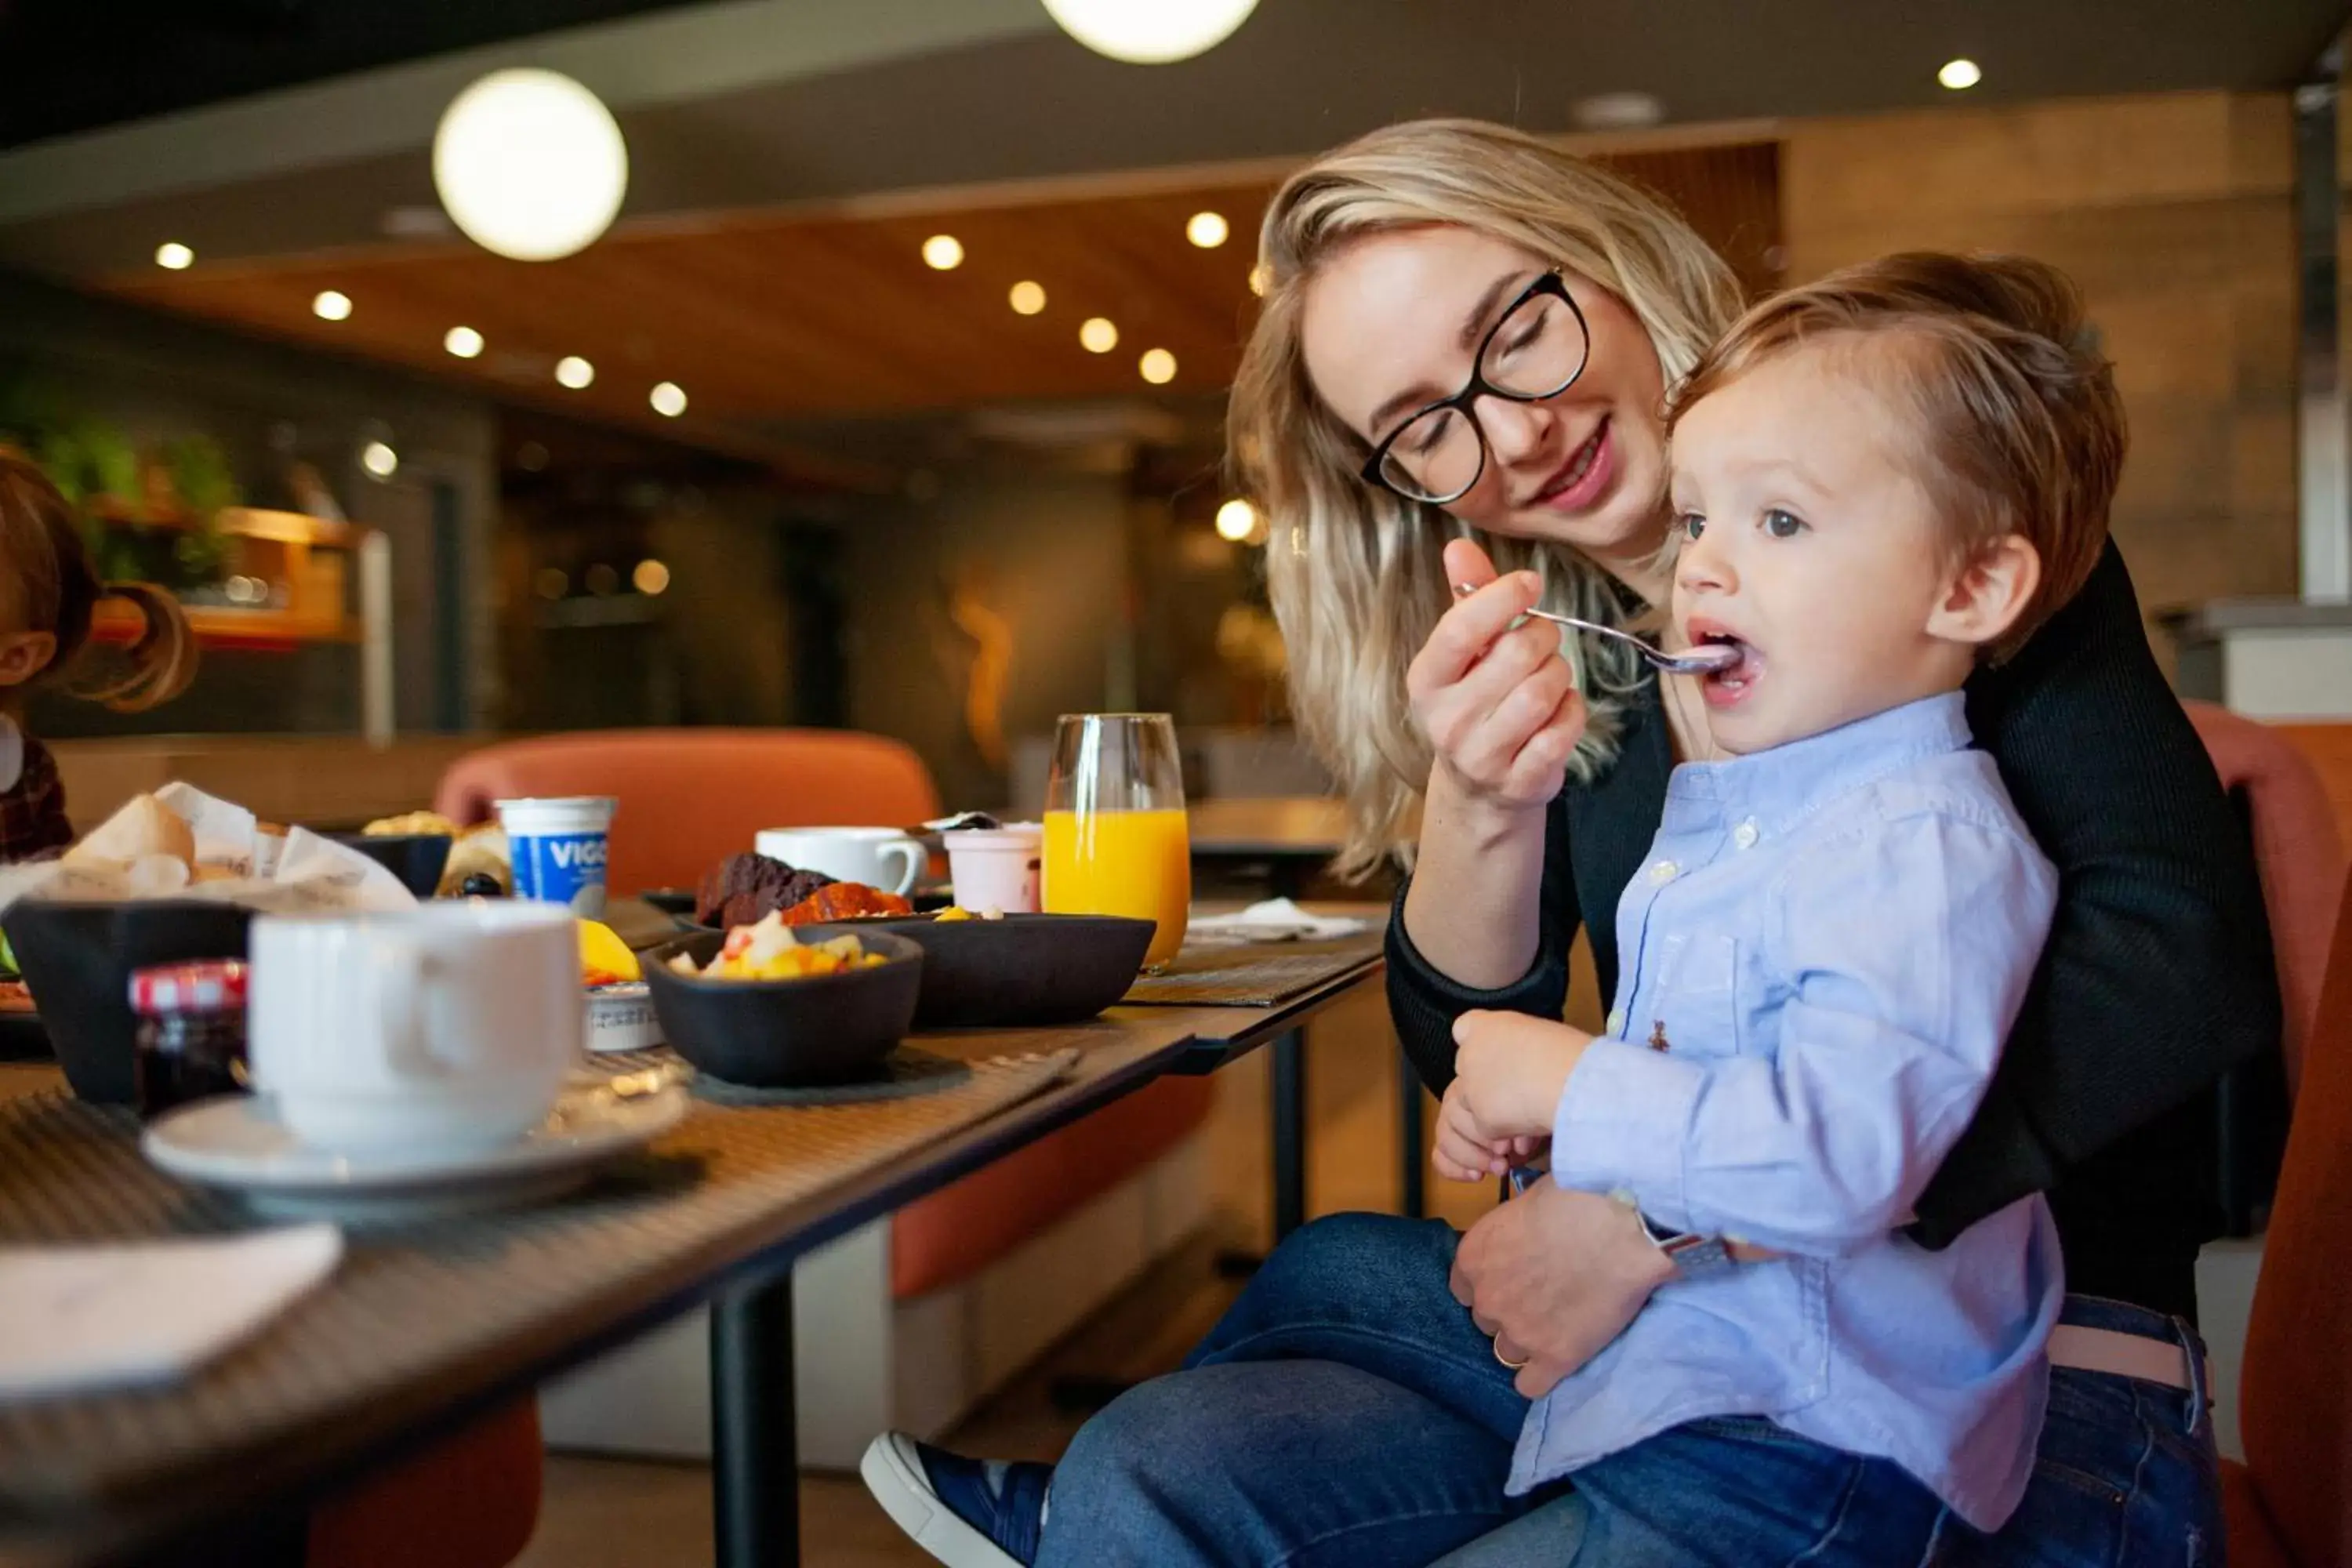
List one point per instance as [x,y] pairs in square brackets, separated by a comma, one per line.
[1658,1035]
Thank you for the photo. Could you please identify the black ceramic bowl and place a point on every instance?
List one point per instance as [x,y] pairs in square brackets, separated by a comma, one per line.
[77,959]
[416,858]
[771,1034]
[1021,971]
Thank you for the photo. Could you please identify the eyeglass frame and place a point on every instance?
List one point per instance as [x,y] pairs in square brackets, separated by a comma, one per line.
[1552,283]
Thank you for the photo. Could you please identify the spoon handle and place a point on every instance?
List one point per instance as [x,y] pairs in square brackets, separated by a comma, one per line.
[1697,661]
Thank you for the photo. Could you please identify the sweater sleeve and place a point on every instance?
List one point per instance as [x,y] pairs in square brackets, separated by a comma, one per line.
[2158,973]
[1423,999]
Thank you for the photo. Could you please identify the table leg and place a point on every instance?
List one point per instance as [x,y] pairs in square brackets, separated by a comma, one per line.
[1289,1134]
[1415,1196]
[755,1479]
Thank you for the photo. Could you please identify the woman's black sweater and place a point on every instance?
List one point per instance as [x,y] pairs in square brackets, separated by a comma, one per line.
[2157,975]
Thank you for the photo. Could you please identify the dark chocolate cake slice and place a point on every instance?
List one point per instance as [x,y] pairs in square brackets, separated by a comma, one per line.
[744,889]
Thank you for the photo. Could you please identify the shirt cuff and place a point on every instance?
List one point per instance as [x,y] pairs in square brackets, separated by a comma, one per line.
[1622,1122]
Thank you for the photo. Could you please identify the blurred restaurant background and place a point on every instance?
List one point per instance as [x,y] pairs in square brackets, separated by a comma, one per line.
[891,399]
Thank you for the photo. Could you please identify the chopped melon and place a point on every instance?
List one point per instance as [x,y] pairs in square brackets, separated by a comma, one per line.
[604,958]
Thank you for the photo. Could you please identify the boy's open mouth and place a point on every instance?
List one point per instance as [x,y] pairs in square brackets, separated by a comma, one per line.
[1731,684]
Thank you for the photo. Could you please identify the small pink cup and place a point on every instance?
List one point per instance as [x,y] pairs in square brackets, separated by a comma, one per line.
[996,868]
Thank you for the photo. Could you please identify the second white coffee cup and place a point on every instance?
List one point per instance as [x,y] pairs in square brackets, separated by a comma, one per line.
[880,858]
[447,1027]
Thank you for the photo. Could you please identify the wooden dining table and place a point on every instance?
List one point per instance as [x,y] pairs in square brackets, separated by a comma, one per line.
[355,1375]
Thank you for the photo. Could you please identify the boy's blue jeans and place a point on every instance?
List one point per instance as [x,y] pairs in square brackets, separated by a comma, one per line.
[1347,1411]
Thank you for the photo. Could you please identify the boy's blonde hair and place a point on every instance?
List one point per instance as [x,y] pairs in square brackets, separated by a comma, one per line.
[1355,572]
[1990,359]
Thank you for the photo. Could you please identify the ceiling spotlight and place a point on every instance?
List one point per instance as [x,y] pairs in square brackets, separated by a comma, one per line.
[1236,520]
[463,342]
[529,163]
[332,305]
[1158,365]
[1260,276]
[1098,335]
[943,253]
[1028,297]
[1959,75]
[650,577]
[1207,230]
[1617,111]
[668,399]
[174,256]
[379,459]
[574,372]
[1150,34]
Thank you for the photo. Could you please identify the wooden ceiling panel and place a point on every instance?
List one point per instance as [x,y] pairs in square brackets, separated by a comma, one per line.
[765,319]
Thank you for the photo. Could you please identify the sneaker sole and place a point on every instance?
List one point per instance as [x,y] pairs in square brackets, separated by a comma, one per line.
[894,1476]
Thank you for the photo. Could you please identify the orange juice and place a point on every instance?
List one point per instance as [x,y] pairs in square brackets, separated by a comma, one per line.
[1136,862]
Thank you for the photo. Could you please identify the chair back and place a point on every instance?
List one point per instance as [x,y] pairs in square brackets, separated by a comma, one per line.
[2298,851]
[690,797]
[2296,1411]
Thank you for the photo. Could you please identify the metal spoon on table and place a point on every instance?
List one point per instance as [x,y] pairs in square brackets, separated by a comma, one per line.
[1702,660]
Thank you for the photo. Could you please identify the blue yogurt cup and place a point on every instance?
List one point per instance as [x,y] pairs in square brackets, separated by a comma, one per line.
[558,847]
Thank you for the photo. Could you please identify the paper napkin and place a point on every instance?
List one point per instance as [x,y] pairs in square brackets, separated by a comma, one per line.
[81,1320]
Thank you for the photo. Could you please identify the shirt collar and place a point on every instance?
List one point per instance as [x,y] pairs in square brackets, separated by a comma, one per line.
[1785,783]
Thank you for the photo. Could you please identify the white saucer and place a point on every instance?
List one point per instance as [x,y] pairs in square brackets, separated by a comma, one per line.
[237,1142]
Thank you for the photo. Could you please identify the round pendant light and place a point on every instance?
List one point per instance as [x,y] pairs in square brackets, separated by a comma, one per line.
[529,163]
[1151,32]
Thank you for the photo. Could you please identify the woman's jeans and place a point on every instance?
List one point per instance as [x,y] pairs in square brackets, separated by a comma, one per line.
[1347,1411]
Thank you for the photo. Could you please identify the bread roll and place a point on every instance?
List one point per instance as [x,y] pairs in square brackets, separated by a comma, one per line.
[143,828]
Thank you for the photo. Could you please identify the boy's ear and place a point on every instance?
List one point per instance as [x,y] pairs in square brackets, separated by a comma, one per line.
[24,655]
[1987,593]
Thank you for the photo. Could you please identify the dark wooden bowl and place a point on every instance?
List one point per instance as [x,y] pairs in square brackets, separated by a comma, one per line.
[770,1034]
[77,959]
[416,858]
[1021,971]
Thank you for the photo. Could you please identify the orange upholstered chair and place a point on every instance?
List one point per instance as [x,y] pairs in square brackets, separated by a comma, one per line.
[691,797]
[469,1502]
[2297,847]
[2290,1504]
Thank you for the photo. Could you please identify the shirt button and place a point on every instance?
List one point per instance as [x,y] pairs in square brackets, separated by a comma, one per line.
[1617,1021]
[1745,835]
[1664,871]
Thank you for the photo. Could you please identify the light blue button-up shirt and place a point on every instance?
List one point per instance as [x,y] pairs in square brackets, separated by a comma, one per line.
[1831,940]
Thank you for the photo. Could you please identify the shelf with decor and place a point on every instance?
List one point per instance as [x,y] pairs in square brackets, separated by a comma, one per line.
[287,579]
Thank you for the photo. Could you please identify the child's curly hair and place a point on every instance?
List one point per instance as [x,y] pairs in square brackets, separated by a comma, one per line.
[45,570]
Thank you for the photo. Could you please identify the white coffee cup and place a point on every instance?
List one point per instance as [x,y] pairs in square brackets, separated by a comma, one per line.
[446,1027]
[880,858]
[996,867]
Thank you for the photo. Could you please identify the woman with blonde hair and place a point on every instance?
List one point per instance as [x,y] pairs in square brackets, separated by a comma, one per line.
[1464,358]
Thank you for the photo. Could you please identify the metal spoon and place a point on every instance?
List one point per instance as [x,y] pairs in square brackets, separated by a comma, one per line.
[1703,660]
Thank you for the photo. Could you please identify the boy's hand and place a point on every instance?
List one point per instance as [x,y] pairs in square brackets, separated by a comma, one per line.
[1509,1071]
[1461,1153]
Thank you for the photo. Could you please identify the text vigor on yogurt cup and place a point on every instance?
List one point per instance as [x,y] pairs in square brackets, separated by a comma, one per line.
[558,847]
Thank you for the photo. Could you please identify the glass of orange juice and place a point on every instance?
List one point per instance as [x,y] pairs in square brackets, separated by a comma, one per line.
[1116,838]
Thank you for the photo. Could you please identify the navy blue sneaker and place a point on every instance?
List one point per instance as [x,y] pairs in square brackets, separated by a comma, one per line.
[968,1513]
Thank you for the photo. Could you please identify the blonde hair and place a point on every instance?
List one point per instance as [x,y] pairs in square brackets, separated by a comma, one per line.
[1993,362]
[1355,572]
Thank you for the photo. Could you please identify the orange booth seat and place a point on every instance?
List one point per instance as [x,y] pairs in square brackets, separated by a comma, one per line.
[689,797]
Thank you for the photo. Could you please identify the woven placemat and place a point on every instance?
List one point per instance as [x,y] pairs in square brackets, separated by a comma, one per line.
[1251,976]
[411,1303]
[906,1070]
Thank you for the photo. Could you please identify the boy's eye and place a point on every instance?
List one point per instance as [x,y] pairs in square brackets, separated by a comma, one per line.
[1782,524]
[1693,525]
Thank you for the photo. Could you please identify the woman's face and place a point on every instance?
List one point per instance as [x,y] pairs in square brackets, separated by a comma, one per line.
[1392,322]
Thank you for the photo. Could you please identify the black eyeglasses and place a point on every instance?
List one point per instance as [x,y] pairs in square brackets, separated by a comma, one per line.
[1537,350]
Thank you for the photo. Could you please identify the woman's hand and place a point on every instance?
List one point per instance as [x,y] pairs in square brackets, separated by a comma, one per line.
[1499,705]
[1555,1275]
